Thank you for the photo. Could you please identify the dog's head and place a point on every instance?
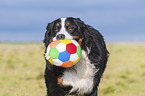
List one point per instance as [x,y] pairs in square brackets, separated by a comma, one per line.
[90,39]
[65,28]
[74,28]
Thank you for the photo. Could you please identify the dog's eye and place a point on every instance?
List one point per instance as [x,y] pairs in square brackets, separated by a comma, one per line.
[70,29]
[57,27]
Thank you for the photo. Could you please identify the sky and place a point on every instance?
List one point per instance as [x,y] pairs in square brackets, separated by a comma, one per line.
[116,20]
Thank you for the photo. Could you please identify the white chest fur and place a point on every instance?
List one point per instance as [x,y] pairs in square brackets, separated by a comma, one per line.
[80,76]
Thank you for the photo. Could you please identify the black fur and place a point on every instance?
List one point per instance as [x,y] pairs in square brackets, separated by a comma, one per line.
[92,40]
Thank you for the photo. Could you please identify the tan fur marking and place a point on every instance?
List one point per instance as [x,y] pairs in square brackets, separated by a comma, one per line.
[60,82]
[67,24]
[75,37]
[80,42]
[57,24]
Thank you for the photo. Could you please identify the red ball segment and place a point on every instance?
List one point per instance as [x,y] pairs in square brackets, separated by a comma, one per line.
[71,48]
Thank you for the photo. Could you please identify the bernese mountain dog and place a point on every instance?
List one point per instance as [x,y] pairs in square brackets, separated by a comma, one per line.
[83,78]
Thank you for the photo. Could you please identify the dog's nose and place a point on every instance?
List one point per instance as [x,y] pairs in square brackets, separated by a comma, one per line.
[60,36]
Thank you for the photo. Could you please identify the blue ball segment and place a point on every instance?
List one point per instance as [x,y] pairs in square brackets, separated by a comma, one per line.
[64,56]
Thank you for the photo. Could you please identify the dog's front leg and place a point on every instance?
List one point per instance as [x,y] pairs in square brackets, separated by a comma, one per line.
[53,89]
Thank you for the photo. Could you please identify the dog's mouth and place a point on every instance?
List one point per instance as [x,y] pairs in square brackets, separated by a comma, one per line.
[76,38]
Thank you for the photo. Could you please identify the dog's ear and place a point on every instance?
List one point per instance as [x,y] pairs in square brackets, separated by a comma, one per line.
[81,25]
[91,38]
[48,33]
[83,30]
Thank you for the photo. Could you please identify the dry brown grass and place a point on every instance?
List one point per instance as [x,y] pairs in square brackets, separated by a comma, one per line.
[22,67]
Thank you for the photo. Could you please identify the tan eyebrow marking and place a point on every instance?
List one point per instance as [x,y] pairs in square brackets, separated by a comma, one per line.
[57,24]
[67,24]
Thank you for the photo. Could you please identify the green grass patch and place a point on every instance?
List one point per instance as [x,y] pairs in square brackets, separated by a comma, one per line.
[125,72]
[22,69]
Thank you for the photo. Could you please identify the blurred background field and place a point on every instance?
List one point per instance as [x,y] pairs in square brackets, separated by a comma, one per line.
[22,68]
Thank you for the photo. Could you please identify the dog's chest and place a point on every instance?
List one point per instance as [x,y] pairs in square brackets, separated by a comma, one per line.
[81,76]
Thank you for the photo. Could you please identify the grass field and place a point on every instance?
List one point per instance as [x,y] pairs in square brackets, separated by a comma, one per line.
[22,67]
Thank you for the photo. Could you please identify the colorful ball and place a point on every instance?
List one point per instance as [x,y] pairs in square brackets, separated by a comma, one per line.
[63,53]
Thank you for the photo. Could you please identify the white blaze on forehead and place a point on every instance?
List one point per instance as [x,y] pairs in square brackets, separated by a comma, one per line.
[63,30]
[63,23]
